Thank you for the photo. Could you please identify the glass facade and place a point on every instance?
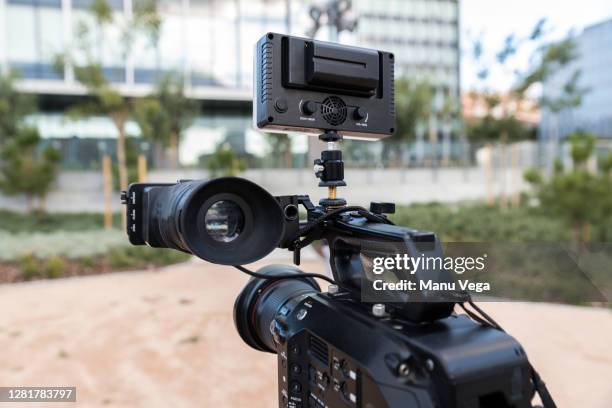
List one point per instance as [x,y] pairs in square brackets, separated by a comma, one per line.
[594,113]
[210,42]
[33,34]
[423,35]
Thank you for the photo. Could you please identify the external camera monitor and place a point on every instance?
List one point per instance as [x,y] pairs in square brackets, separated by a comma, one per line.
[307,86]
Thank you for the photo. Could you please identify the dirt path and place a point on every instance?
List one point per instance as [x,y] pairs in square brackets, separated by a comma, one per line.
[166,339]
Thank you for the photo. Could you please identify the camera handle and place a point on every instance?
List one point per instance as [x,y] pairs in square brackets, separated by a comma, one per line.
[330,170]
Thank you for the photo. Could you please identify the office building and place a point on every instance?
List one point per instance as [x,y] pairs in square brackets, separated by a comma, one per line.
[594,114]
[209,42]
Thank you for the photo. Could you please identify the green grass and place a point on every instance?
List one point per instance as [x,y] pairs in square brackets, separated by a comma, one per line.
[46,222]
[51,245]
[33,266]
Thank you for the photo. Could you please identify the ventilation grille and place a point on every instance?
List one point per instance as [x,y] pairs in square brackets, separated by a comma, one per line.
[266,71]
[318,348]
[333,110]
[392,96]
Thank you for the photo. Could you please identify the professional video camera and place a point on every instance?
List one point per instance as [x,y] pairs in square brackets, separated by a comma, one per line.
[336,348]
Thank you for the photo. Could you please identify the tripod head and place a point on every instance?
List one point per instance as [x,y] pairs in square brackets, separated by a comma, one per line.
[330,170]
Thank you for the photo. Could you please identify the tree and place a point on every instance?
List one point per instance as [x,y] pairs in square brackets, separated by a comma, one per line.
[577,195]
[223,162]
[154,125]
[413,103]
[86,62]
[280,148]
[447,116]
[413,107]
[14,106]
[489,128]
[26,170]
[550,58]
[165,115]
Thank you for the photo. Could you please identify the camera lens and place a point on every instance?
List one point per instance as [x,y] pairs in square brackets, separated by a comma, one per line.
[262,299]
[224,221]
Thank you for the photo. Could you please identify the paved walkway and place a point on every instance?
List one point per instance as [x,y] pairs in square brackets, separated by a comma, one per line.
[166,339]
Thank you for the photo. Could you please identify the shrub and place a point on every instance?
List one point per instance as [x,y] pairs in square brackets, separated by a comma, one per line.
[55,267]
[68,244]
[480,223]
[87,262]
[29,266]
[141,256]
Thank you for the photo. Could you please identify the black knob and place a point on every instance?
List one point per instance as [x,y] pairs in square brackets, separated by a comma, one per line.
[124,197]
[296,387]
[309,107]
[382,208]
[281,105]
[360,113]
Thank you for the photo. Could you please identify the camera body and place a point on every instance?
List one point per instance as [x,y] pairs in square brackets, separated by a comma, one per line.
[453,362]
[307,86]
[334,352]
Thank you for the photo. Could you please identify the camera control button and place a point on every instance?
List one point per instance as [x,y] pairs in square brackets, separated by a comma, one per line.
[360,113]
[281,105]
[309,107]
[296,387]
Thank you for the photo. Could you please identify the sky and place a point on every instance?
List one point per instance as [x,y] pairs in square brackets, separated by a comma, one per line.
[495,19]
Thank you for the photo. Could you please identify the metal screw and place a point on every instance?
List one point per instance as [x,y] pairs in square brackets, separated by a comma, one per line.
[403,369]
[318,168]
[378,310]
[332,289]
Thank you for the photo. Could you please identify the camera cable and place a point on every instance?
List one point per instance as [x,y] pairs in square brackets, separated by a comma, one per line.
[486,320]
[285,275]
[306,231]
[310,231]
